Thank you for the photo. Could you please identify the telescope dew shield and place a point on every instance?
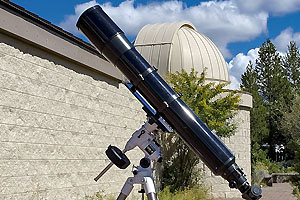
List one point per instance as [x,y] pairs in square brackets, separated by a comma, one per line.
[110,40]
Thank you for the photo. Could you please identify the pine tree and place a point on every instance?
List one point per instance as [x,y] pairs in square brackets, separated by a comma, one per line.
[258,115]
[276,90]
[272,80]
[292,66]
[291,125]
[249,79]
[291,121]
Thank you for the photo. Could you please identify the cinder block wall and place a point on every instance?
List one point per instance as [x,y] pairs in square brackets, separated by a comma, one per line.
[56,120]
[240,145]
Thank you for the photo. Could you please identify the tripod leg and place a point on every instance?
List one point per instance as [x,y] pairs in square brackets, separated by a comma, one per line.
[150,188]
[127,188]
[152,196]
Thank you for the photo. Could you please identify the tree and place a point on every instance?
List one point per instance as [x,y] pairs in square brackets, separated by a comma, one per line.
[249,79]
[291,121]
[258,114]
[179,168]
[292,65]
[275,88]
[273,83]
[291,125]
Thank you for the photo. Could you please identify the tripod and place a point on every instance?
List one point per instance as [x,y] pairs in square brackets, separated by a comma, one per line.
[142,175]
[145,140]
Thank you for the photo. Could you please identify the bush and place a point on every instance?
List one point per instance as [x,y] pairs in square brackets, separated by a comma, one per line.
[295,180]
[99,196]
[179,168]
[258,176]
[198,192]
[272,167]
[195,193]
[296,190]
[264,168]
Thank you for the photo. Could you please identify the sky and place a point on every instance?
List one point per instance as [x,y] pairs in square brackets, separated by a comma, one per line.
[237,27]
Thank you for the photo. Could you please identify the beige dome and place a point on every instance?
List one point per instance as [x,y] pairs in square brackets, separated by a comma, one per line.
[171,47]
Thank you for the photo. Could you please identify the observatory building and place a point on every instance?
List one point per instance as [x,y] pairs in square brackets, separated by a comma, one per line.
[172,47]
[62,104]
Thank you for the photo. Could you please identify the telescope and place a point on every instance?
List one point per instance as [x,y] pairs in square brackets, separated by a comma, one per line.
[111,42]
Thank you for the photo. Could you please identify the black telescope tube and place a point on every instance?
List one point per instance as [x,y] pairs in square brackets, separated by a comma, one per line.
[110,40]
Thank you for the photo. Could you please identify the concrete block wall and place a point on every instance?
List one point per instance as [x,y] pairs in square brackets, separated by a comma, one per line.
[57,119]
[240,145]
[56,123]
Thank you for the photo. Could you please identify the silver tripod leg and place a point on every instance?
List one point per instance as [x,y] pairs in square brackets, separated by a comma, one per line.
[127,188]
[152,196]
[121,196]
[150,188]
[147,183]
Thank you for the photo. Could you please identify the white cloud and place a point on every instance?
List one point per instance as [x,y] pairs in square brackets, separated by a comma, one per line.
[237,66]
[222,21]
[69,23]
[275,7]
[234,83]
[283,39]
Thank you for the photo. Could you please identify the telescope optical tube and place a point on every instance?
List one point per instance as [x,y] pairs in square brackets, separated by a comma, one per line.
[110,41]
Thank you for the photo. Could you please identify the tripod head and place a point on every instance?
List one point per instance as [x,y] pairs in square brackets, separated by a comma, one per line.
[145,140]
[142,138]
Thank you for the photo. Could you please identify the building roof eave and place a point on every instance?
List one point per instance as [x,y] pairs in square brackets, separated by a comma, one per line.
[29,27]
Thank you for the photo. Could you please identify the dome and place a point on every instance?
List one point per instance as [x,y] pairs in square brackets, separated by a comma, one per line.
[171,47]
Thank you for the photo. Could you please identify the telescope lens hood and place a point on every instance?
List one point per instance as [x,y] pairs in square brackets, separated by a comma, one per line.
[117,157]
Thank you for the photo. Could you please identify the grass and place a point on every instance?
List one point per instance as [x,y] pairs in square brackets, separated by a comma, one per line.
[196,193]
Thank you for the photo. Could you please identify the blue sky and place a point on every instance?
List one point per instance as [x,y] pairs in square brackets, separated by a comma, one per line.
[237,27]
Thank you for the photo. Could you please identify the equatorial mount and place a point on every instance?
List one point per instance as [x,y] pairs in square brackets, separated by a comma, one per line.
[142,174]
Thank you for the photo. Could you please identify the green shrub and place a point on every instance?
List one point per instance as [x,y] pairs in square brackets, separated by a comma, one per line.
[179,168]
[99,196]
[272,167]
[264,168]
[296,190]
[198,192]
[195,193]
